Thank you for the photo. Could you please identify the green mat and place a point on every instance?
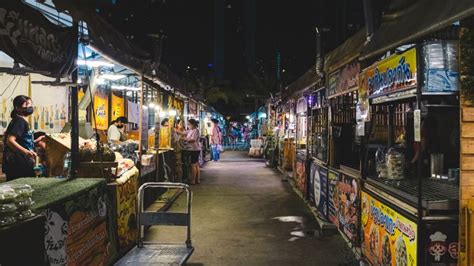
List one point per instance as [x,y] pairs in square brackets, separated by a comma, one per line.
[49,191]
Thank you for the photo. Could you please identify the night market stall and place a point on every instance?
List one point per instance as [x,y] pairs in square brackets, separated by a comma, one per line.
[344,143]
[414,92]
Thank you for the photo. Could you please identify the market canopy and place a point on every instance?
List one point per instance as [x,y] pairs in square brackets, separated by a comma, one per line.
[111,43]
[410,22]
[345,53]
[32,40]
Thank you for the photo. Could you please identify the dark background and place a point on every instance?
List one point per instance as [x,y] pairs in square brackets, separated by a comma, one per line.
[228,40]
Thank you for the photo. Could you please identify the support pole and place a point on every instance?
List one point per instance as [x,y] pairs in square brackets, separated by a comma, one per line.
[73,170]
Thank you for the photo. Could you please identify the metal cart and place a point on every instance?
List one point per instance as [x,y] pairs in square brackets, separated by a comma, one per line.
[155,253]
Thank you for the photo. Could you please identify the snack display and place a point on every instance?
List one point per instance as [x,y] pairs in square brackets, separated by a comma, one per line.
[395,164]
[15,203]
[7,214]
[380,163]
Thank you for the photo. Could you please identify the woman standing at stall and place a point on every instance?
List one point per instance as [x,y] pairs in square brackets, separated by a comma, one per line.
[193,149]
[19,156]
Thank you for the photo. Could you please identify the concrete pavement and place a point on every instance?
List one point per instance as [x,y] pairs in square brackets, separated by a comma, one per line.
[243,214]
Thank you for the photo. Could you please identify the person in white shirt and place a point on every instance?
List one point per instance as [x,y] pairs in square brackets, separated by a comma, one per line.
[193,150]
[116,131]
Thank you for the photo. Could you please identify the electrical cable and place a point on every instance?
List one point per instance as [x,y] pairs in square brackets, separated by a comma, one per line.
[8,86]
[14,89]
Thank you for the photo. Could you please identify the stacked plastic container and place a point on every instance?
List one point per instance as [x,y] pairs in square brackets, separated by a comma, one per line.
[15,203]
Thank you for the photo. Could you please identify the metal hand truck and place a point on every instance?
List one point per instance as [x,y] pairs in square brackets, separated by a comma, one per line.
[156,253]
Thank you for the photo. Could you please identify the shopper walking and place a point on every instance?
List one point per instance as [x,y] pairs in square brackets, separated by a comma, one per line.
[193,149]
[19,156]
[216,140]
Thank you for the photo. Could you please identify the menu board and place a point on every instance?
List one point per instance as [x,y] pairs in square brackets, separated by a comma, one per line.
[394,74]
[319,188]
[344,80]
[388,238]
[333,177]
[300,176]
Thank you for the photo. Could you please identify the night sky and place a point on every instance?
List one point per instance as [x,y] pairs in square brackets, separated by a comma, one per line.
[284,26]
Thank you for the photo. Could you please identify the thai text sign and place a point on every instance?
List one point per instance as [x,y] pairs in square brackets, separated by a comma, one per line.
[118,107]
[395,73]
[388,237]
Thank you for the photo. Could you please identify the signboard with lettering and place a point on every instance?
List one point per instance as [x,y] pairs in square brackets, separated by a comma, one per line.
[344,80]
[396,74]
[388,238]
[101,109]
[32,40]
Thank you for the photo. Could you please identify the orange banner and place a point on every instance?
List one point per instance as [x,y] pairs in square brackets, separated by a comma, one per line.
[118,107]
[101,109]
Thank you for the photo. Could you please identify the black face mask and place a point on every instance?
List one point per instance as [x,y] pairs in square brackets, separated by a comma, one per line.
[119,126]
[28,111]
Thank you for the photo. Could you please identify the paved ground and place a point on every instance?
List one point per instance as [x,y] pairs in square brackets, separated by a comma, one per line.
[243,214]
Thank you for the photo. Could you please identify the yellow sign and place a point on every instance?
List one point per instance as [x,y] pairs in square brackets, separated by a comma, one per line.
[388,237]
[101,109]
[395,73]
[118,107]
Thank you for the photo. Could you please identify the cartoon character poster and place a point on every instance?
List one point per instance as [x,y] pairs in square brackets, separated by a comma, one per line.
[442,244]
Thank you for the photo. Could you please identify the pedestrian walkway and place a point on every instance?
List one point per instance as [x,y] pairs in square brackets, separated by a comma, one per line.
[243,214]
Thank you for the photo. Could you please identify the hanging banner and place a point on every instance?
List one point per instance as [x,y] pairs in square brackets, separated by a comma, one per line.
[30,39]
[118,107]
[133,113]
[101,109]
[394,74]
[51,113]
[389,238]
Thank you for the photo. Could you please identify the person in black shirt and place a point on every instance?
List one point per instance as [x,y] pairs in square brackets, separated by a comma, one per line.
[19,155]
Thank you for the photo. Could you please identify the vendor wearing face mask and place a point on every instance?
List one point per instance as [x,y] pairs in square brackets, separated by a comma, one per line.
[116,132]
[19,155]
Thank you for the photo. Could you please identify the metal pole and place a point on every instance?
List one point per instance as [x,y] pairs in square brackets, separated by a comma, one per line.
[73,170]
[419,165]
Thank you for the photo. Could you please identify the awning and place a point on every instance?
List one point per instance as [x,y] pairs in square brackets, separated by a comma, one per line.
[308,80]
[111,43]
[413,22]
[345,53]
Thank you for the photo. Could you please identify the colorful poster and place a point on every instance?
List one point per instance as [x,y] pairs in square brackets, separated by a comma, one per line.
[344,80]
[388,238]
[118,107]
[347,204]
[51,113]
[300,176]
[127,212]
[333,177]
[394,74]
[101,109]
[442,244]
[320,188]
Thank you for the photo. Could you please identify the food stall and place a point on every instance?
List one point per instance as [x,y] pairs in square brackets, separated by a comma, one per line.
[318,150]
[299,173]
[288,137]
[410,196]
[344,154]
